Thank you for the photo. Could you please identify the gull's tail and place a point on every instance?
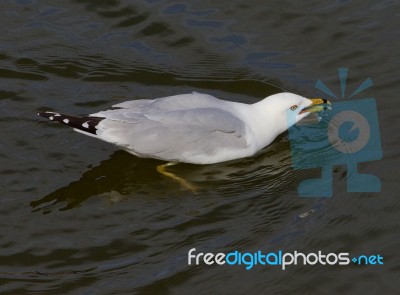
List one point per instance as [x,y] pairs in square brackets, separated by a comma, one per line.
[85,124]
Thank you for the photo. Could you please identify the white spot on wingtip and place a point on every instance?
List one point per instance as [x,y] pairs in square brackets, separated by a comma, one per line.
[85,125]
[57,115]
[66,121]
[51,117]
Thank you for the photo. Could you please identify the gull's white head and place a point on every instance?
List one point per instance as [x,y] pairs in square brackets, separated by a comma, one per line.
[283,110]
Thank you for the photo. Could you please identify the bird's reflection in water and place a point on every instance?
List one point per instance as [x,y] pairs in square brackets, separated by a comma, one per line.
[120,174]
[123,175]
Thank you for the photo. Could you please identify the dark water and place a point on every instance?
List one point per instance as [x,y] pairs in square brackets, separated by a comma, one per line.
[79,217]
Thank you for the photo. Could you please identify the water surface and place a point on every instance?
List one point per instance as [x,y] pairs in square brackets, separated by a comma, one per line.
[80,217]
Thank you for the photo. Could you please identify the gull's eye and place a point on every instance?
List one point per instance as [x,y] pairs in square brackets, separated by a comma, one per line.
[293,107]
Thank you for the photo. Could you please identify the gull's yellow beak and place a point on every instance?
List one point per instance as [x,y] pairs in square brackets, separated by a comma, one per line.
[318,105]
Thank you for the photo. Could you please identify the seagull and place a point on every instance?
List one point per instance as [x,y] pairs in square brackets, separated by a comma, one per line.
[193,128]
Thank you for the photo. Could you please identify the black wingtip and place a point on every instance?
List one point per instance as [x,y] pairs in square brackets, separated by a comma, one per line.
[47,115]
[86,124]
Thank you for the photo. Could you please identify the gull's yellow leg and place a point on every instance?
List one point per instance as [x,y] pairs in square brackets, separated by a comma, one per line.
[186,184]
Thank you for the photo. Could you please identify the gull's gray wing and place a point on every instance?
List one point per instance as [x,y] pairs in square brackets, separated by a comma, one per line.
[177,135]
[165,104]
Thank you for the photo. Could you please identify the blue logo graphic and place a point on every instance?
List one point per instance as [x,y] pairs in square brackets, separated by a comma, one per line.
[346,135]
